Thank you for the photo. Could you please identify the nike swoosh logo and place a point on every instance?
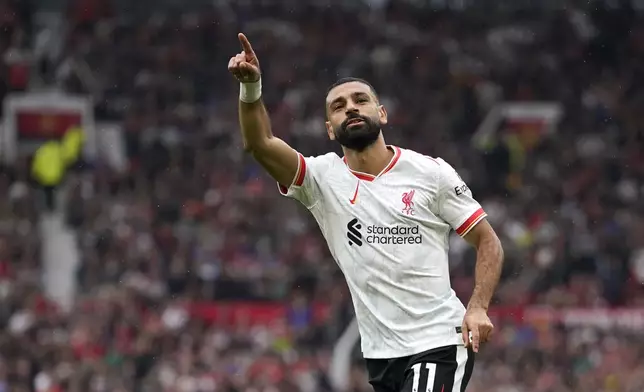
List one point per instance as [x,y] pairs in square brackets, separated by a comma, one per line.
[355,195]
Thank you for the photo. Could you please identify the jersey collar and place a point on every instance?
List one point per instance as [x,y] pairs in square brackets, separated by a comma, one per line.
[371,177]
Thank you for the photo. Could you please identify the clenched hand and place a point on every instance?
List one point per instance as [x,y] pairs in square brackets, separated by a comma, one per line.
[245,66]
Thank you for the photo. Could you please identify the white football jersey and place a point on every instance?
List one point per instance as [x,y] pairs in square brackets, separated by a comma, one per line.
[389,235]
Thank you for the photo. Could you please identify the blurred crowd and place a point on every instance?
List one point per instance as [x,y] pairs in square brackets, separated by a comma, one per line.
[193,224]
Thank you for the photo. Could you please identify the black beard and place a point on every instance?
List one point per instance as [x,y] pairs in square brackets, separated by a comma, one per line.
[359,137]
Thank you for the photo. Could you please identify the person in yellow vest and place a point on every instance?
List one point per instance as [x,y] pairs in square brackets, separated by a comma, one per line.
[51,160]
[72,145]
[48,169]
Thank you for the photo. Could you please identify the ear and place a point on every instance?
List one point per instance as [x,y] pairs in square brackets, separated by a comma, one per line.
[329,130]
[382,114]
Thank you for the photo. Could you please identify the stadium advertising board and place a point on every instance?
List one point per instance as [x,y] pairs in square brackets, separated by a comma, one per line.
[264,313]
[251,313]
[33,118]
[618,318]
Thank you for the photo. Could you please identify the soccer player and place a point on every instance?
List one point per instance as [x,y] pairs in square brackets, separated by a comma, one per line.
[386,214]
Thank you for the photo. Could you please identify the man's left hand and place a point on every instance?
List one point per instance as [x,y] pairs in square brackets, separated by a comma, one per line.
[477,322]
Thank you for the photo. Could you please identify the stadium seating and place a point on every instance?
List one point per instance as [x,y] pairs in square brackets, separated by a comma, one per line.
[197,276]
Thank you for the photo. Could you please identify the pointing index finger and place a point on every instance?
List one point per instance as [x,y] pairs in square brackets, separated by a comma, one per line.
[476,339]
[466,335]
[245,44]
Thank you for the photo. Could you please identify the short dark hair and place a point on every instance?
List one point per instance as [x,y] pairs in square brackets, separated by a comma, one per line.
[349,80]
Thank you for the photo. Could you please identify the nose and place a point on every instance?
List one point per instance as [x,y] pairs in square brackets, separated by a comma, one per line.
[351,108]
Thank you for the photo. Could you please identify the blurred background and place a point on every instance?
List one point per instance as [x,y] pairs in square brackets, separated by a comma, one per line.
[142,250]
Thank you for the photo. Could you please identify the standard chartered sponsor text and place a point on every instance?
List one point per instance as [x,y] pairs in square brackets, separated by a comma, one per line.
[396,235]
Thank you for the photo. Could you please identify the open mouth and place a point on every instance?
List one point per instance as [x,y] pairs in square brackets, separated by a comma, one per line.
[355,121]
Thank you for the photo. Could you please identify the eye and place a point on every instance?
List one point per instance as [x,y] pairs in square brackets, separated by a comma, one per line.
[362,100]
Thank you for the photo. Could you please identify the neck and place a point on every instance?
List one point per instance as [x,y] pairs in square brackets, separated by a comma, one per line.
[372,160]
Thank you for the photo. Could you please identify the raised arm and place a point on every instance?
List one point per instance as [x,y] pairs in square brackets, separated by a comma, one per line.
[275,156]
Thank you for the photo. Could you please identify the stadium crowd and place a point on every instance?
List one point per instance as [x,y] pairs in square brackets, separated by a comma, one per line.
[193,224]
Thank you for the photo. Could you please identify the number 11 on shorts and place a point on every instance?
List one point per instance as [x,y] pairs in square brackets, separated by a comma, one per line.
[431,375]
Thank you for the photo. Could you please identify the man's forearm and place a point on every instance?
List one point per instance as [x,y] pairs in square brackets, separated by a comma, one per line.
[255,124]
[489,263]
[273,154]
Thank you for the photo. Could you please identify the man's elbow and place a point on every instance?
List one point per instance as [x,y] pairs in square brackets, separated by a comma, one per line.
[490,240]
[255,147]
[499,248]
[483,235]
[494,247]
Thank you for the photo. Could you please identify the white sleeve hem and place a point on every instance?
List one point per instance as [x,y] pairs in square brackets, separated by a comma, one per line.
[471,221]
[298,179]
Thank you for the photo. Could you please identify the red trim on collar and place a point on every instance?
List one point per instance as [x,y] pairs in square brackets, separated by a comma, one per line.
[371,177]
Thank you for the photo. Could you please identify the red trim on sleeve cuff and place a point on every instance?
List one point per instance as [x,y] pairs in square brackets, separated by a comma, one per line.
[475,218]
[299,176]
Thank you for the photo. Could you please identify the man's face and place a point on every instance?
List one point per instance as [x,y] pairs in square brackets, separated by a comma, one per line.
[355,117]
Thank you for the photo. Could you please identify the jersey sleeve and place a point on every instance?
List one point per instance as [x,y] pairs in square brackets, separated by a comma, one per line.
[305,187]
[455,203]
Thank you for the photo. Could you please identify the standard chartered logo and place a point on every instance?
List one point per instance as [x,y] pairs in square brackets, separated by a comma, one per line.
[353,232]
[384,235]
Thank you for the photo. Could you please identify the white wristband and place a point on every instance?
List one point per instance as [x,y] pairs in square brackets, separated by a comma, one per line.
[250,92]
